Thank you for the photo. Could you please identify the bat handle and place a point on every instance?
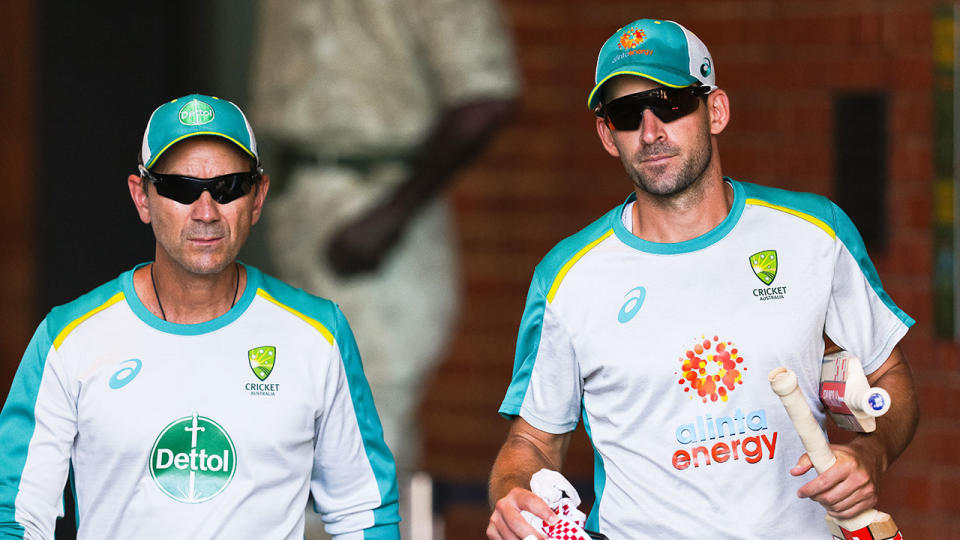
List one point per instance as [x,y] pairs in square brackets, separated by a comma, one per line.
[875,401]
[784,384]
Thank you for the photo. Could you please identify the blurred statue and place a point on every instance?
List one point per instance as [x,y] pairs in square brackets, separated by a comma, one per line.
[370,108]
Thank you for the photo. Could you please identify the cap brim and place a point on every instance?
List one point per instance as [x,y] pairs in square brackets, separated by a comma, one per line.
[196,133]
[661,76]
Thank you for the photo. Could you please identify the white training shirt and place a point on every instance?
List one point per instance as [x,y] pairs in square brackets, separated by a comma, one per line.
[211,430]
[664,351]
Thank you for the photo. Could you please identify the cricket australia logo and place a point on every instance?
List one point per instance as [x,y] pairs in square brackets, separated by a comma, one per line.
[764,265]
[261,360]
[193,459]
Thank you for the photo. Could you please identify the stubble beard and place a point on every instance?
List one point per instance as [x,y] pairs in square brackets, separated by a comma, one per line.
[199,262]
[659,181]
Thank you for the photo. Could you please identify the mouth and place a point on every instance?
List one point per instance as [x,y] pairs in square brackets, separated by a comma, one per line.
[205,241]
[654,160]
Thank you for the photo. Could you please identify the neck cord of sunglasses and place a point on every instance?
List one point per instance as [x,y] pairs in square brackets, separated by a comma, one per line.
[236,288]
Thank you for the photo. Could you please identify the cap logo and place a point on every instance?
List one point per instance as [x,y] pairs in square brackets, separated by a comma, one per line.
[705,67]
[196,113]
[631,39]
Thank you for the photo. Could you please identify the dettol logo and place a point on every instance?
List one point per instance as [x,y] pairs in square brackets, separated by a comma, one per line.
[193,459]
[196,113]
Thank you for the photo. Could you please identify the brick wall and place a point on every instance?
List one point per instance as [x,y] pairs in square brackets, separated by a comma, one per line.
[17,298]
[546,176]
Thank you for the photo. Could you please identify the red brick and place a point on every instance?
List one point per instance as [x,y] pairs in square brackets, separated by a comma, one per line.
[949,488]
[906,490]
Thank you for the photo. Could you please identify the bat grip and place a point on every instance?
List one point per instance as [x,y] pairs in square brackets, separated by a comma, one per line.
[784,384]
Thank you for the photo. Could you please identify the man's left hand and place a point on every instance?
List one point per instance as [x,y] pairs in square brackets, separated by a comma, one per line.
[847,488]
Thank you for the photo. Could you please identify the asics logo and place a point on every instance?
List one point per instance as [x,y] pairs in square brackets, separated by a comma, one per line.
[630,308]
[125,374]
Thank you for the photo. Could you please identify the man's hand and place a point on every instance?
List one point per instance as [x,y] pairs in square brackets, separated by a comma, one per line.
[526,451]
[362,244]
[506,522]
[850,486]
[847,488]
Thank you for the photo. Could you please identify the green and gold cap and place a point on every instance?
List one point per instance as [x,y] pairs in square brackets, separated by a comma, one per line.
[662,51]
[193,115]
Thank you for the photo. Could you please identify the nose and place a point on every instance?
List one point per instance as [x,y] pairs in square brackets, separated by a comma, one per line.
[651,127]
[205,208]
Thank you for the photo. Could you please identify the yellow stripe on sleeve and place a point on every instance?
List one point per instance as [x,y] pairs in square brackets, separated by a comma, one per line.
[76,322]
[312,322]
[573,260]
[807,217]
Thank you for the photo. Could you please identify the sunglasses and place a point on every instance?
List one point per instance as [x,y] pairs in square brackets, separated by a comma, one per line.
[187,189]
[667,104]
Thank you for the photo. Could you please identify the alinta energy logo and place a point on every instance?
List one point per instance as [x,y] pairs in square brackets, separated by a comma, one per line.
[196,113]
[629,42]
[262,359]
[193,459]
[711,368]
[632,38]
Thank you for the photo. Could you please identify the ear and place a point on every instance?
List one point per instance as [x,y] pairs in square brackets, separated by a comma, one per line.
[718,106]
[138,192]
[606,137]
[262,188]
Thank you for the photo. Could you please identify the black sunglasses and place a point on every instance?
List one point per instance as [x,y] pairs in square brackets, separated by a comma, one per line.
[187,189]
[668,104]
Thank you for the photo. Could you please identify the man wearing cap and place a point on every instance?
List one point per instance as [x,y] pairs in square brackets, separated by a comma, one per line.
[659,322]
[194,396]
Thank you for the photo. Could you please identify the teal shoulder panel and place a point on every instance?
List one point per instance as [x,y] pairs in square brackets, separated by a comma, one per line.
[546,279]
[810,204]
[17,419]
[371,431]
[823,213]
[317,308]
[382,532]
[528,342]
[848,234]
[549,268]
[326,313]
[64,315]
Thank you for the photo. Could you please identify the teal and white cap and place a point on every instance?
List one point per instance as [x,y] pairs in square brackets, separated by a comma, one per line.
[193,115]
[662,51]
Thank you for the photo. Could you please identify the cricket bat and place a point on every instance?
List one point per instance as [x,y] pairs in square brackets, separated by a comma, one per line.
[870,524]
[847,395]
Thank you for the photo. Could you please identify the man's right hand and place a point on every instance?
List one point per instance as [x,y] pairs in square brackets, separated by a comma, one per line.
[506,522]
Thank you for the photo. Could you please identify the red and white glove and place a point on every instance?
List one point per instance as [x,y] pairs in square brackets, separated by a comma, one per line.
[563,499]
